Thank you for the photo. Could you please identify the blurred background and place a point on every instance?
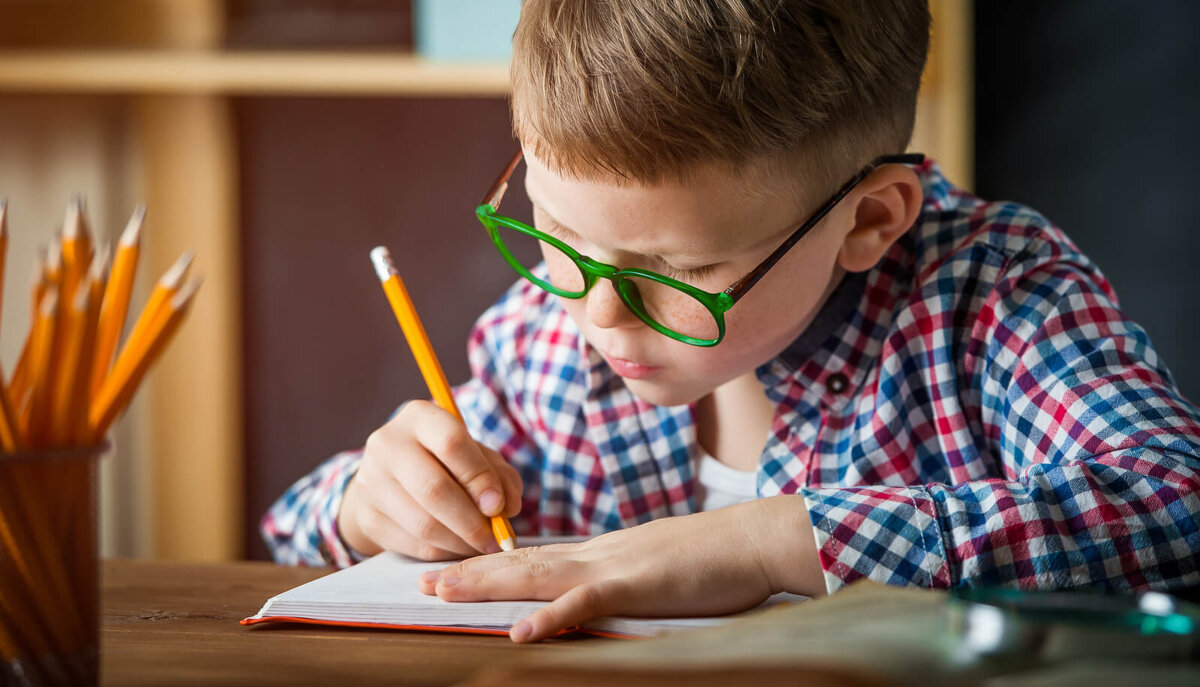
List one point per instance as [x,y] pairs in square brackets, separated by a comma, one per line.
[282,139]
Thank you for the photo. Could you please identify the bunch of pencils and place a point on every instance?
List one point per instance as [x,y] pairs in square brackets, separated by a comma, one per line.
[72,380]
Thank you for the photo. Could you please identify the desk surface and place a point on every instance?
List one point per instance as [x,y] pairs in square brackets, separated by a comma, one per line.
[177,623]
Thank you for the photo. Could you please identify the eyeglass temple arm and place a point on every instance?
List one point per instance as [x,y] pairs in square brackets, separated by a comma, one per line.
[751,278]
[496,193]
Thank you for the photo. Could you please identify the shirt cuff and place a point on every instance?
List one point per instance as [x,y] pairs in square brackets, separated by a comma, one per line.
[333,548]
[886,534]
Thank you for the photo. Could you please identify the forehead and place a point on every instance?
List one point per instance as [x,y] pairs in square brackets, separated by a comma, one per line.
[716,211]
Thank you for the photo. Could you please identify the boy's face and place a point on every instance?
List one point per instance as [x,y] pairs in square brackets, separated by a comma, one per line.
[708,233]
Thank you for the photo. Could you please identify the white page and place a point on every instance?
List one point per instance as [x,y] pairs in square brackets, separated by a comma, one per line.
[384,590]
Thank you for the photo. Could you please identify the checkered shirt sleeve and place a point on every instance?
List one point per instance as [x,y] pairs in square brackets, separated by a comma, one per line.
[300,528]
[1092,473]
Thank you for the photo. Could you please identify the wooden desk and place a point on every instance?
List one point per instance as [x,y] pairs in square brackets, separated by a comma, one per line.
[177,623]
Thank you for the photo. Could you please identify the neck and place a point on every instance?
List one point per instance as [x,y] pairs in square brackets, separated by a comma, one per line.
[732,422]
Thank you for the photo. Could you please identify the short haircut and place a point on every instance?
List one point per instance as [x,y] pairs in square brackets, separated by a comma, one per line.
[652,89]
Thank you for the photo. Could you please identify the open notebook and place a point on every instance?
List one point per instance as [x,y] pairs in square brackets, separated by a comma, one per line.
[382,592]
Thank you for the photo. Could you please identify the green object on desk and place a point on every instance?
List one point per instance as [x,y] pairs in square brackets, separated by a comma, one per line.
[1146,614]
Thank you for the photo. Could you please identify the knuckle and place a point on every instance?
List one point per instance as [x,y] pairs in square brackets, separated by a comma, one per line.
[424,528]
[435,490]
[428,552]
[370,521]
[415,408]
[481,535]
[374,445]
[478,478]
[450,441]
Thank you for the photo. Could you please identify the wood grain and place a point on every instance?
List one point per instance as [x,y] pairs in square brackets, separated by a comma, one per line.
[177,623]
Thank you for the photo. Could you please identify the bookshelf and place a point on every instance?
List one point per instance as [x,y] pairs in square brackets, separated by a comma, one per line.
[255,73]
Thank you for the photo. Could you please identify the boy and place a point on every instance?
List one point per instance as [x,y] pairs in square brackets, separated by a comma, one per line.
[753,313]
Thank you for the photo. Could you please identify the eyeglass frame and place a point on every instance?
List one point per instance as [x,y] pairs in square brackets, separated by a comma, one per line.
[717,303]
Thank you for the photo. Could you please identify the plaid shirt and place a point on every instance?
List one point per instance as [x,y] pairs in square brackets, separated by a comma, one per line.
[973,410]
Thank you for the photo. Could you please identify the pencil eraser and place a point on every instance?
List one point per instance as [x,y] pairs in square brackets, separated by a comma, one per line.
[382,259]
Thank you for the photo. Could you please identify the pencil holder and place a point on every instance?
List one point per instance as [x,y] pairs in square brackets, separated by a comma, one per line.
[49,568]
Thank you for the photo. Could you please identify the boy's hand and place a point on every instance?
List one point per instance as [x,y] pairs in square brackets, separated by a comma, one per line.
[711,563]
[424,487]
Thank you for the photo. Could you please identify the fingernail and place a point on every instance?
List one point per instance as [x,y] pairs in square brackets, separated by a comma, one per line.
[521,630]
[450,580]
[489,501]
[431,576]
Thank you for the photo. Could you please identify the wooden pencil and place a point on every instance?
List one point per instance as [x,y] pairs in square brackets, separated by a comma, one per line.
[79,333]
[166,288]
[42,363]
[136,358]
[11,439]
[115,307]
[431,369]
[18,388]
[76,249]
[82,392]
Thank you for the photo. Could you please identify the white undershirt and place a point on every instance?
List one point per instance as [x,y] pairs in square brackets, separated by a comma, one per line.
[719,485]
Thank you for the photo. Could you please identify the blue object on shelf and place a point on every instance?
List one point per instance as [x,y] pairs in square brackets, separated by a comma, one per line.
[465,30]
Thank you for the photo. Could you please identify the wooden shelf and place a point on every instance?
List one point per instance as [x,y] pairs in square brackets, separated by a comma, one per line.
[247,73]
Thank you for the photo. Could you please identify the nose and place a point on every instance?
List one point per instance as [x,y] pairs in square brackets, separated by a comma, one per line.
[605,308]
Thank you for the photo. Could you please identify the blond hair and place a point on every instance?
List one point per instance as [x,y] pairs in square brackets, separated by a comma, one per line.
[651,89]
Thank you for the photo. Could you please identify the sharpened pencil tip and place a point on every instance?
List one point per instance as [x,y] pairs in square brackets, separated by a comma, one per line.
[382,259]
[507,545]
[185,294]
[133,229]
[176,272]
[100,263]
[70,227]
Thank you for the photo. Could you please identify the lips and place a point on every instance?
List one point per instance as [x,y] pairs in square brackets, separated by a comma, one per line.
[628,368]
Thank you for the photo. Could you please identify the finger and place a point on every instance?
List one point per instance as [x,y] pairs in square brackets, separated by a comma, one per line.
[390,498]
[572,609]
[447,439]
[388,534]
[530,573]
[439,496]
[513,486]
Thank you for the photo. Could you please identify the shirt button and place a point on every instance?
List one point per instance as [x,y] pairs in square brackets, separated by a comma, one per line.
[837,382]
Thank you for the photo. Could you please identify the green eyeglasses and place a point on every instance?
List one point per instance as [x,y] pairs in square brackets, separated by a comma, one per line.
[669,306]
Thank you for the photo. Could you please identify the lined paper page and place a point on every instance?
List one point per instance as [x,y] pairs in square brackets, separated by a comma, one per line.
[383,590]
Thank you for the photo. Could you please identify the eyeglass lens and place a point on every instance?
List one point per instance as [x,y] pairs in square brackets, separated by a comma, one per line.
[649,299]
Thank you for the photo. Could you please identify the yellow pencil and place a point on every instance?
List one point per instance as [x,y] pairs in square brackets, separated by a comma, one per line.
[73,323]
[431,369]
[18,388]
[155,308]
[116,297]
[37,415]
[135,359]
[10,431]
[76,250]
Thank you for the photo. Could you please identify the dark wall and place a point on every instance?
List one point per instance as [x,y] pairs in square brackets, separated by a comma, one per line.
[323,181]
[1088,111]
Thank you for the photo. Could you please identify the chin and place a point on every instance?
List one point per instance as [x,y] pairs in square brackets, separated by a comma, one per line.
[665,394]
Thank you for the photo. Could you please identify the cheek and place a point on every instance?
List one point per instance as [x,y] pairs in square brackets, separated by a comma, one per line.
[780,306]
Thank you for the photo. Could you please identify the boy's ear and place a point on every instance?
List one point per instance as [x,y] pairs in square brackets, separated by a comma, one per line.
[888,202]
